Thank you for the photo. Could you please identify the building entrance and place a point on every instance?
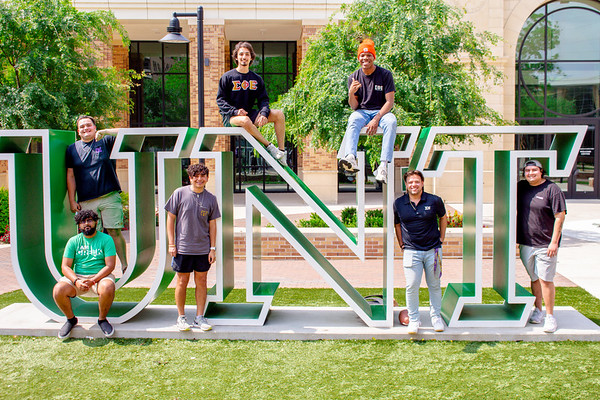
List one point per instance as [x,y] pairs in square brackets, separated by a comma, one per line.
[558,83]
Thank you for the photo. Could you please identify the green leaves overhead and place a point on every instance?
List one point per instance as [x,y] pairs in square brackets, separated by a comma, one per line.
[49,69]
[439,63]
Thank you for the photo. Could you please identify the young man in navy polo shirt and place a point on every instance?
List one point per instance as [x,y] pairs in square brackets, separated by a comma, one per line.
[416,216]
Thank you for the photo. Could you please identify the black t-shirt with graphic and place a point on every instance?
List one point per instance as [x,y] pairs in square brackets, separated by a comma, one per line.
[536,210]
[371,94]
[94,171]
[247,91]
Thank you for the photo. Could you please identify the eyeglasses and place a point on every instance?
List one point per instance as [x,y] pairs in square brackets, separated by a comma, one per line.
[87,221]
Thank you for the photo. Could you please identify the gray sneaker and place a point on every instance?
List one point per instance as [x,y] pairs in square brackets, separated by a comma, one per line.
[202,323]
[65,331]
[349,164]
[536,316]
[182,324]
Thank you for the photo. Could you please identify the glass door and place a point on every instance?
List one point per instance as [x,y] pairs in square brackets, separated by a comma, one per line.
[583,182]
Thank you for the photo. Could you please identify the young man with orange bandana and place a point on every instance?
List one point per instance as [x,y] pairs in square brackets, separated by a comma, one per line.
[371,96]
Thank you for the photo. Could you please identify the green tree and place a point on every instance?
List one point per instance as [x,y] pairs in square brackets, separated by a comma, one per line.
[438,61]
[49,69]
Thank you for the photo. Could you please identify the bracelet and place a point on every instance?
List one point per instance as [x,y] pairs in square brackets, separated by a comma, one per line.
[213,248]
[75,281]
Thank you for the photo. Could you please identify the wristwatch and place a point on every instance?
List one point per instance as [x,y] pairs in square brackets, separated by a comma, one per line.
[213,248]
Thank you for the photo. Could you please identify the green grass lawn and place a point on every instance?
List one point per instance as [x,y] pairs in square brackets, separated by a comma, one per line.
[44,368]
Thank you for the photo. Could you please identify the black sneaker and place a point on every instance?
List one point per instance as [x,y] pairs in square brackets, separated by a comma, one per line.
[66,329]
[106,328]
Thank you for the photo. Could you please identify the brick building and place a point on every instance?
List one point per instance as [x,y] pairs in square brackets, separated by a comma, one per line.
[558,84]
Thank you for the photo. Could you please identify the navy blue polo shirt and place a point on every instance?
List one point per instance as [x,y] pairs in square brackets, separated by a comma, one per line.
[419,223]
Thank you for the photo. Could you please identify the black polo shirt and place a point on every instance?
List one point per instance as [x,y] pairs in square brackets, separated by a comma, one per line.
[419,223]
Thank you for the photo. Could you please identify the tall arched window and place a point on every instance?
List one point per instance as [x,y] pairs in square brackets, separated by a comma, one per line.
[558,81]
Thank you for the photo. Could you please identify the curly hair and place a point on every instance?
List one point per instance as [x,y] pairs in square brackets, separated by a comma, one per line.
[85,214]
[197,169]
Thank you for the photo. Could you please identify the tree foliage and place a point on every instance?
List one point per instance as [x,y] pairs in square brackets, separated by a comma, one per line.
[49,69]
[438,60]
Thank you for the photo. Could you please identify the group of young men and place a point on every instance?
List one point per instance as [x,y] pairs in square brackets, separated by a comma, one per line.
[419,217]
[90,257]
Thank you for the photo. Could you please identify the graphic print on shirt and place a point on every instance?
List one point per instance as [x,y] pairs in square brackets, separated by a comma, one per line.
[244,85]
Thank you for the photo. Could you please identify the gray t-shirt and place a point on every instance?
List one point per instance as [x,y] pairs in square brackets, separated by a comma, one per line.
[193,212]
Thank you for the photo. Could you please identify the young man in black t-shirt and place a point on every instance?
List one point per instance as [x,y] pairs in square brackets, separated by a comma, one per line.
[371,96]
[91,174]
[541,211]
[239,91]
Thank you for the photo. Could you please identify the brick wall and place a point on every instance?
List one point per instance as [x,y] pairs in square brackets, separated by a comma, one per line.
[274,246]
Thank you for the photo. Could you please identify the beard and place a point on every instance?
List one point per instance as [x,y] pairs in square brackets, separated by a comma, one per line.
[89,230]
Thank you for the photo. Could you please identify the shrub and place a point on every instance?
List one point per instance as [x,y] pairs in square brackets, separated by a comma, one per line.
[314,222]
[125,203]
[374,218]
[348,217]
[455,220]
[5,237]
[4,211]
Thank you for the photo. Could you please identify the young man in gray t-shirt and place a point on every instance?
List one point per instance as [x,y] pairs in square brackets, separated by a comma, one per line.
[192,232]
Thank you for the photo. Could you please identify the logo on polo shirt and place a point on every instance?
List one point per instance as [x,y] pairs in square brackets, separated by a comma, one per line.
[379,88]
[427,208]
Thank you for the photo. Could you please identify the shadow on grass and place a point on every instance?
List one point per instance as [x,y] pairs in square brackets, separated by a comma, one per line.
[473,347]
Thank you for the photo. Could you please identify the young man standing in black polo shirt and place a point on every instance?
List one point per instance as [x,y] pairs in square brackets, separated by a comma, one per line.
[416,216]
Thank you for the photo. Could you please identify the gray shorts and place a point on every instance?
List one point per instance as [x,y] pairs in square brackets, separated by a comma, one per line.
[93,290]
[108,208]
[537,264]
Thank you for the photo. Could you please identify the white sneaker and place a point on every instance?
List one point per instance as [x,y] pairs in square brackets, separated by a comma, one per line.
[550,324]
[349,164]
[283,160]
[202,323]
[182,324]
[438,324]
[413,327]
[381,172]
[277,154]
[536,316]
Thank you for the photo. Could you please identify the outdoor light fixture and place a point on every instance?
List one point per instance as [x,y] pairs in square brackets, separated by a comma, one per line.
[174,32]
[174,36]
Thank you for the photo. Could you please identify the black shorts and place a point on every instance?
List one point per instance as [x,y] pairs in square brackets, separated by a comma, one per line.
[185,263]
[252,114]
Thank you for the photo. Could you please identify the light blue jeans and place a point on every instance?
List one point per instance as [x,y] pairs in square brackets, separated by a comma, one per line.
[415,261]
[358,120]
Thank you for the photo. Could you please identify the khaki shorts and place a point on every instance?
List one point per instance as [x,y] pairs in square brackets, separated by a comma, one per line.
[108,208]
[537,263]
[93,290]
